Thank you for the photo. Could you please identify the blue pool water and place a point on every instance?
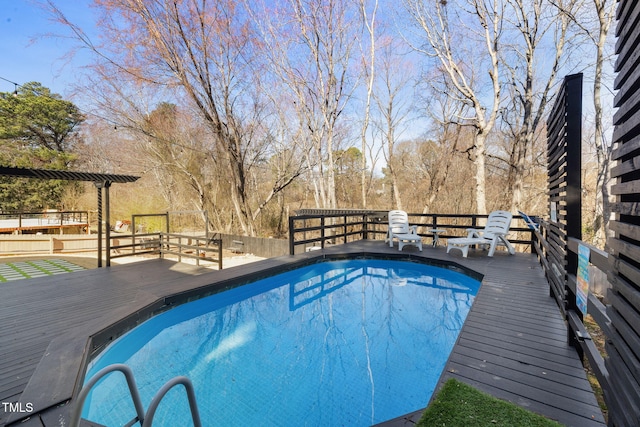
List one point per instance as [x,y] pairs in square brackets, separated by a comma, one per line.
[335,343]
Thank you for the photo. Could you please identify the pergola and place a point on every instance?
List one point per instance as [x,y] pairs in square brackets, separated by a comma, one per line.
[102,181]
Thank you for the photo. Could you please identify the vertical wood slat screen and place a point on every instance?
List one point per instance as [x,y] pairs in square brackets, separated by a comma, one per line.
[564,139]
[623,346]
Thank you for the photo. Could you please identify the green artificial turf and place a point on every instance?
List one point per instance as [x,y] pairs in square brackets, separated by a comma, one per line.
[458,404]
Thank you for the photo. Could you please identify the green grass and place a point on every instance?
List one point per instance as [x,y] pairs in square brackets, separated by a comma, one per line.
[458,404]
[46,266]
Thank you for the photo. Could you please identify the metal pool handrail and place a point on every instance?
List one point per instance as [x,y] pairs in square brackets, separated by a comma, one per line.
[133,390]
[191,395]
[145,419]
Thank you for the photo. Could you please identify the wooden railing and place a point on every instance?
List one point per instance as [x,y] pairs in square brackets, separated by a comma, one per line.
[562,278]
[198,248]
[183,246]
[137,244]
[20,221]
[317,228]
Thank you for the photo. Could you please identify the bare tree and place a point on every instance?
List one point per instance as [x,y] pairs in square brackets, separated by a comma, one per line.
[606,11]
[534,26]
[594,19]
[180,154]
[285,154]
[204,51]
[463,43]
[369,20]
[310,44]
[448,136]
[597,31]
[390,96]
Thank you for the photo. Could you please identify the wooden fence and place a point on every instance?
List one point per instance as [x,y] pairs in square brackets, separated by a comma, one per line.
[564,151]
[623,343]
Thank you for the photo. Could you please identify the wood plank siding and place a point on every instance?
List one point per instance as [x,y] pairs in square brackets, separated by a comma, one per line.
[513,344]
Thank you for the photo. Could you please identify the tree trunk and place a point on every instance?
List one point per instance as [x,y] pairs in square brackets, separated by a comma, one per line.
[519,169]
[480,159]
[603,150]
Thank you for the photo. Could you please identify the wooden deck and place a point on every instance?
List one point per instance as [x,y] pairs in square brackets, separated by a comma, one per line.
[513,344]
[10,226]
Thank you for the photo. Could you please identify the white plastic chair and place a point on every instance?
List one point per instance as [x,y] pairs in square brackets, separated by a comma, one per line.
[400,229]
[494,234]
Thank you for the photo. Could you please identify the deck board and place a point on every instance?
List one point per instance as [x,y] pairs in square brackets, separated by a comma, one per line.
[513,344]
[515,322]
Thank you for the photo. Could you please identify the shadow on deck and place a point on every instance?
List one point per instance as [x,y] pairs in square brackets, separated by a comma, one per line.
[513,344]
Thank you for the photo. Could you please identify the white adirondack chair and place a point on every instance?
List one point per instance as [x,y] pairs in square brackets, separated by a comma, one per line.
[400,229]
[494,234]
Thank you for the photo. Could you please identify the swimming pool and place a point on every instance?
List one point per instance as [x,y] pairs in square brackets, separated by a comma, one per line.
[352,342]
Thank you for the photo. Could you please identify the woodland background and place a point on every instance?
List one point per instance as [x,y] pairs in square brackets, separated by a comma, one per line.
[253,109]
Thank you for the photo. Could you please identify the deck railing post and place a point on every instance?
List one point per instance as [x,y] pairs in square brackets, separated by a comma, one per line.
[133,235]
[533,240]
[365,231]
[107,223]
[99,186]
[292,235]
[344,227]
[304,228]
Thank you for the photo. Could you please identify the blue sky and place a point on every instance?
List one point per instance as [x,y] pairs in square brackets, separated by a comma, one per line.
[26,54]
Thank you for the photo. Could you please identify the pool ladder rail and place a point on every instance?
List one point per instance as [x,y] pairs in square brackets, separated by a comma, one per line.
[145,419]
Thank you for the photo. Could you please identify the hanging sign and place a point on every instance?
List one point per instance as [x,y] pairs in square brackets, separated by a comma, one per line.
[582,278]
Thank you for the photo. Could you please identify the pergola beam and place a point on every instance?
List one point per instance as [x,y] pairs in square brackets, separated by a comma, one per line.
[65,175]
